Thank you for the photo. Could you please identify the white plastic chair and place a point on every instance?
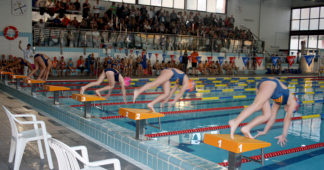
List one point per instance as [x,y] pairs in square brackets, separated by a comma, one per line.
[20,139]
[68,158]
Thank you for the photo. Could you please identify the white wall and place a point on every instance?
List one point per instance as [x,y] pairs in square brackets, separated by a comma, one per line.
[268,19]
[22,23]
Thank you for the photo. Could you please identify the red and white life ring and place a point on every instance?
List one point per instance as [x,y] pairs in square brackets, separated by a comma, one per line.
[6,32]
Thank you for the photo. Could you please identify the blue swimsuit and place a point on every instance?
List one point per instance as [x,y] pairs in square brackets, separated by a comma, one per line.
[177,77]
[22,62]
[45,61]
[280,95]
[116,73]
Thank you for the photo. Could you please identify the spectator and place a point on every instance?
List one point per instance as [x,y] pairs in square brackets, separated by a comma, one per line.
[69,67]
[194,56]
[51,8]
[62,66]
[57,22]
[74,23]
[85,9]
[65,21]
[55,67]
[42,5]
[96,9]
[77,5]
[81,64]
[185,61]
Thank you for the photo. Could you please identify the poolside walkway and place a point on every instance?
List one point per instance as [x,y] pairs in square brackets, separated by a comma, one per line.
[31,160]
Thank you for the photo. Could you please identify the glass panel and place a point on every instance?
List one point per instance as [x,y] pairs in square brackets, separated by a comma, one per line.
[292,52]
[314,12]
[296,14]
[211,6]
[129,1]
[167,3]
[201,5]
[294,42]
[321,42]
[322,12]
[116,0]
[220,6]
[304,24]
[295,25]
[312,41]
[321,24]
[192,4]
[156,2]
[178,4]
[313,24]
[144,2]
[302,38]
[304,13]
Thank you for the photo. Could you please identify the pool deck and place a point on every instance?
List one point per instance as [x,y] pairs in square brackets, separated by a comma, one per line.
[31,158]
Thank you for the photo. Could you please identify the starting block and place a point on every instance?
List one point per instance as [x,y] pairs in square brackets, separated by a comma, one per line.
[5,74]
[141,116]
[34,84]
[236,147]
[87,99]
[18,78]
[56,90]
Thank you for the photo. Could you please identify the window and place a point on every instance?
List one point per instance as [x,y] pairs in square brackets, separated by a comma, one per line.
[211,6]
[167,3]
[156,2]
[321,42]
[313,24]
[312,41]
[201,5]
[295,25]
[129,1]
[322,12]
[144,2]
[192,4]
[220,6]
[314,12]
[304,24]
[294,42]
[321,24]
[295,14]
[304,13]
[178,4]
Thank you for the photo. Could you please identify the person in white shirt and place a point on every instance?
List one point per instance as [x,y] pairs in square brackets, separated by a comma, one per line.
[28,56]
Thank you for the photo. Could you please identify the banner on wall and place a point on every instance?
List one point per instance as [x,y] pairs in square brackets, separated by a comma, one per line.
[259,60]
[172,57]
[291,60]
[132,51]
[180,59]
[150,55]
[156,56]
[198,59]
[221,60]
[309,59]
[274,60]
[126,51]
[120,50]
[163,55]
[209,59]
[136,52]
[245,60]
[232,60]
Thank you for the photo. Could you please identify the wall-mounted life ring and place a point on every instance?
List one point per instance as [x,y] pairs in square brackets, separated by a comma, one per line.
[6,32]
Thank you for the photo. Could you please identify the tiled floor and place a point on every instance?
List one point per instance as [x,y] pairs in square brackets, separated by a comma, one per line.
[31,160]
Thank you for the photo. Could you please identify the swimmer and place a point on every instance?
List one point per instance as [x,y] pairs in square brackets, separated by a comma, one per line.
[18,62]
[43,63]
[167,75]
[113,76]
[269,88]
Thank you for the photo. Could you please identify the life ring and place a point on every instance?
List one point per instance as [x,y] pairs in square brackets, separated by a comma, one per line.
[6,32]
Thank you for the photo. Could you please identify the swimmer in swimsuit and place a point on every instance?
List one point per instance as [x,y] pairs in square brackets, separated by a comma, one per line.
[165,78]
[268,88]
[43,63]
[113,76]
[18,62]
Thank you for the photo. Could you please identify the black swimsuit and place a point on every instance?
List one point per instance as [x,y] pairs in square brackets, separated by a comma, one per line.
[116,73]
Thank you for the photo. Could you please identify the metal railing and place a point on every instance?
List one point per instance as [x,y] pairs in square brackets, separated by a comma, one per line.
[63,37]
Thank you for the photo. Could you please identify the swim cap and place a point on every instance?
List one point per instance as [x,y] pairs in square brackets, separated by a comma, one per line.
[127,81]
[191,86]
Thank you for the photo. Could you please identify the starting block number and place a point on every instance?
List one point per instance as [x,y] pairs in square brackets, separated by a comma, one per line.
[137,116]
[220,145]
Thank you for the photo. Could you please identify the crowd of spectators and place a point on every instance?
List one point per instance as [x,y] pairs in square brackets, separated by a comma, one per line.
[137,18]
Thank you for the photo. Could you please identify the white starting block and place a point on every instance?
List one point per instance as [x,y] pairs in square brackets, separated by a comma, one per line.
[18,78]
[34,84]
[236,147]
[141,116]
[56,90]
[87,99]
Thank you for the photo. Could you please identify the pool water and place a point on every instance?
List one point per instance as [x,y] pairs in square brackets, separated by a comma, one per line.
[301,132]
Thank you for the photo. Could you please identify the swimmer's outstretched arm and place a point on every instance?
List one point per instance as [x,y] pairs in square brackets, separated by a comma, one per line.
[271,121]
[282,138]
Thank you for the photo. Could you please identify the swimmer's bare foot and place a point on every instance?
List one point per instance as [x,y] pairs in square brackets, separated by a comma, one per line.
[233,127]
[98,93]
[246,132]
[82,90]
[135,95]
[151,107]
